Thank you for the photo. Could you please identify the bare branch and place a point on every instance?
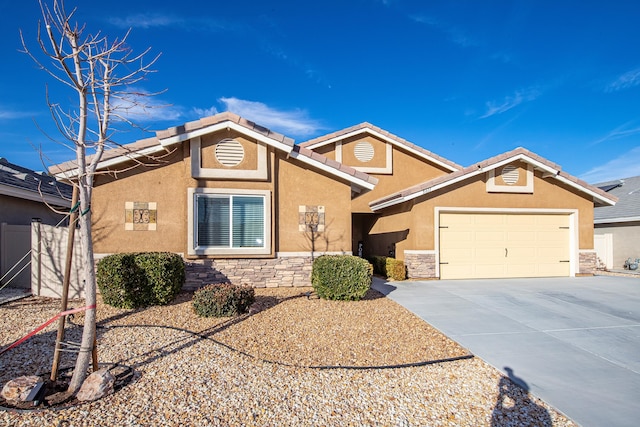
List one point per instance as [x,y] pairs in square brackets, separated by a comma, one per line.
[98,72]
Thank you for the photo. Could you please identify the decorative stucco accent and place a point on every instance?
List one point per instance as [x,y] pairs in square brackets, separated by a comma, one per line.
[140,216]
[507,185]
[311,218]
[197,171]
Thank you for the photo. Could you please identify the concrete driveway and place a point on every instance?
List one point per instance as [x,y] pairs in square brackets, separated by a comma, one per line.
[574,342]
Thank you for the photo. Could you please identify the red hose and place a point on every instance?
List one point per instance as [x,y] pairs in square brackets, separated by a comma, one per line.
[47,323]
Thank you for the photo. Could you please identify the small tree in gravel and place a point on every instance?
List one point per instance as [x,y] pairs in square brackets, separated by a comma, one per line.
[100,74]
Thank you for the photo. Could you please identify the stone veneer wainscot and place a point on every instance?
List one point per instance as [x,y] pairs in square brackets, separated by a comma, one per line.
[287,270]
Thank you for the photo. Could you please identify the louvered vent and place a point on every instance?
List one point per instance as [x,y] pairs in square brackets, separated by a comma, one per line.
[229,152]
[363,151]
[510,174]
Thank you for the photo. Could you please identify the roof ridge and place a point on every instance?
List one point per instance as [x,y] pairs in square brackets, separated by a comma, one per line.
[386,133]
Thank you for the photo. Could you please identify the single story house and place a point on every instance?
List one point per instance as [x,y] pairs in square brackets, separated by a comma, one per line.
[25,195]
[244,204]
[617,228]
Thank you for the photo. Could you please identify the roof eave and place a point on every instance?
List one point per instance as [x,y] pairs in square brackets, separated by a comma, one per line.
[21,193]
[70,174]
[360,182]
[386,138]
[551,172]
[285,145]
[616,220]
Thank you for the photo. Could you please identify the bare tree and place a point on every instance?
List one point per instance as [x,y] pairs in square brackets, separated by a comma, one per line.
[101,74]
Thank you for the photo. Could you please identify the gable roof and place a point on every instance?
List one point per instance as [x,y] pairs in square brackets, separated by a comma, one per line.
[627,209]
[17,181]
[385,136]
[551,170]
[178,134]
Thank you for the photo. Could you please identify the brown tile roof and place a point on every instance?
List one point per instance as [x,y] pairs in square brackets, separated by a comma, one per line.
[335,165]
[127,151]
[220,118]
[484,166]
[124,151]
[397,139]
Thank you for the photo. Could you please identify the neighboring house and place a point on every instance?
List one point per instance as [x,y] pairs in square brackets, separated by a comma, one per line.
[24,196]
[244,204]
[617,228]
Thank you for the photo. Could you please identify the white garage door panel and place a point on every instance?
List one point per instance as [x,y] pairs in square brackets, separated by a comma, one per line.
[495,245]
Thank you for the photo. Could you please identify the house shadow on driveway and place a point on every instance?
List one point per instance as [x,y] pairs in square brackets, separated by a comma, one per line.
[381,285]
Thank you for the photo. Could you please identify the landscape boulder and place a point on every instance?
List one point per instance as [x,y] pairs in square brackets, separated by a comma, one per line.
[97,385]
[18,389]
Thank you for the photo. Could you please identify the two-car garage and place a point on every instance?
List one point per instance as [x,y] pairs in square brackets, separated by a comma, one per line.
[504,244]
[513,215]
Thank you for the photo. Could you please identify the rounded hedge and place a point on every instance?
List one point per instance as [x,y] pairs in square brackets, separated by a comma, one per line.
[341,277]
[222,300]
[134,280]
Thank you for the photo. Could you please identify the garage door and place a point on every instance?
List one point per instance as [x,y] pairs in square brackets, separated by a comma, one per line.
[494,245]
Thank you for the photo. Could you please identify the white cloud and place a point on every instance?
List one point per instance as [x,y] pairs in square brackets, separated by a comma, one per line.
[140,106]
[624,166]
[290,123]
[625,81]
[509,102]
[157,20]
[146,20]
[205,112]
[622,131]
[13,114]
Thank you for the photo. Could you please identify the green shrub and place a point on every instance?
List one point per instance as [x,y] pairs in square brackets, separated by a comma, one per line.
[341,277]
[395,269]
[379,264]
[223,300]
[133,280]
[165,274]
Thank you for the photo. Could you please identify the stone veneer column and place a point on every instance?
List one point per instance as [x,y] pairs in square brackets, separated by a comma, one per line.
[420,264]
[587,262]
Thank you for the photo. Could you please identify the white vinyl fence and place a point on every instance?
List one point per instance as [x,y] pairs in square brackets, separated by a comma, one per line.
[48,257]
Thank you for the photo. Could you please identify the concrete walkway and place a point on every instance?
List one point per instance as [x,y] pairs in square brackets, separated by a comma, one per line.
[574,342]
[8,294]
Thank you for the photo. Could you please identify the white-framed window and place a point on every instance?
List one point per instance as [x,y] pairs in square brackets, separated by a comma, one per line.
[228,222]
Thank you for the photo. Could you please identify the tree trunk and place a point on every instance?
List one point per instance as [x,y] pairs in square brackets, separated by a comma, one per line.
[89,328]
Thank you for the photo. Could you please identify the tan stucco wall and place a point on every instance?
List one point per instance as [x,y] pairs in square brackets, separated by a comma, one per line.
[166,185]
[418,215]
[299,185]
[327,150]
[407,169]
[290,182]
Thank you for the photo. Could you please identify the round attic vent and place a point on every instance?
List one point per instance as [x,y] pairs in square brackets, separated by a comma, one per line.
[363,151]
[510,174]
[229,152]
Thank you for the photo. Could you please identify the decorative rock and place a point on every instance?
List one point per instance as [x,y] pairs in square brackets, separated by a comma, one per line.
[97,385]
[18,389]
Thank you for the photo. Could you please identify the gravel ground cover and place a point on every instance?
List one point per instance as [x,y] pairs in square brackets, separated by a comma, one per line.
[294,360]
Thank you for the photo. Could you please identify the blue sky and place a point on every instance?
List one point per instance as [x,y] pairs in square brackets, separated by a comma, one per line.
[465,79]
